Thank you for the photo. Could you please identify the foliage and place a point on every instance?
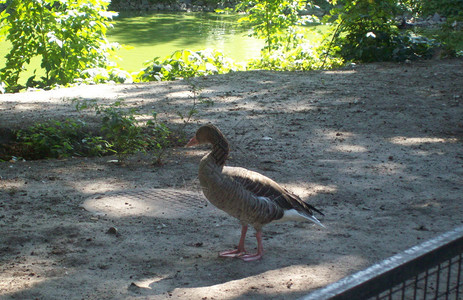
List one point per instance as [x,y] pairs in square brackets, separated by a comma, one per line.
[271,20]
[410,46]
[301,58]
[365,31]
[186,64]
[195,95]
[452,9]
[104,75]
[161,141]
[119,132]
[69,36]
[448,35]
[411,7]
[127,134]
[61,139]
[279,23]
[121,128]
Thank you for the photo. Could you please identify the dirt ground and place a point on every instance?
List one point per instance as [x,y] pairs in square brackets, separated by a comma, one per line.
[377,148]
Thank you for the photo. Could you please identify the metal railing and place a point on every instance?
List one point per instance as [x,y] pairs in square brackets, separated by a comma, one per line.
[431,270]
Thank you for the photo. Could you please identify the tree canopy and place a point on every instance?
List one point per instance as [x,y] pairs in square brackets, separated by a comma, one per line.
[70,38]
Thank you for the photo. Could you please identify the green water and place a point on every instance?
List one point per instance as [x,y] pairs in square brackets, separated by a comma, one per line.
[145,37]
[160,34]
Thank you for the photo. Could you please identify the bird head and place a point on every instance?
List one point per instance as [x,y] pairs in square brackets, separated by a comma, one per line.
[207,134]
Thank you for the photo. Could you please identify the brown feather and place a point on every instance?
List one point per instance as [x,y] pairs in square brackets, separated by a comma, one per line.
[247,195]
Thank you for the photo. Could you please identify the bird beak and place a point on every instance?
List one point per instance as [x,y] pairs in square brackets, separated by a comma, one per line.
[192,142]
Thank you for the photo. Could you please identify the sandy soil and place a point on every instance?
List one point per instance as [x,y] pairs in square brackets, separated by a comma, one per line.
[378,148]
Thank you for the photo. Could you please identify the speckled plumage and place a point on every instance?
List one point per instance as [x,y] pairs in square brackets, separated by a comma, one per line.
[250,197]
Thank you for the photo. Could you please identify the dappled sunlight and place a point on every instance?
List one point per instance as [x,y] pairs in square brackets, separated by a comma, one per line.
[36,269]
[103,185]
[336,134]
[28,106]
[386,168]
[11,185]
[347,142]
[289,280]
[197,151]
[147,282]
[103,91]
[423,146]
[349,148]
[310,189]
[415,141]
[14,283]
[180,95]
[350,72]
[427,203]
[117,206]
[158,203]
[428,153]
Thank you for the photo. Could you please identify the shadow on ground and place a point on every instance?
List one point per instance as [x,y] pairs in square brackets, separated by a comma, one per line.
[376,148]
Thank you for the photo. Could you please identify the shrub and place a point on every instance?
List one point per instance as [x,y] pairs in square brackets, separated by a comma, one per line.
[301,58]
[272,20]
[105,75]
[120,127]
[160,139]
[69,36]
[449,8]
[185,64]
[126,134]
[119,133]
[279,23]
[61,139]
[366,31]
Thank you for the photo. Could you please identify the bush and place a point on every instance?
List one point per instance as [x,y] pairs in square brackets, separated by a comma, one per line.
[104,75]
[119,133]
[161,139]
[126,134]
[69,36]
[61,139]
[120,127]
[279,22]
[301,58]
[273,20]
[366,32]
[185,64]
[449,8]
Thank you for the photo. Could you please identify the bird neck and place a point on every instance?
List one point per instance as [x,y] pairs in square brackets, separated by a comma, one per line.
[220,152]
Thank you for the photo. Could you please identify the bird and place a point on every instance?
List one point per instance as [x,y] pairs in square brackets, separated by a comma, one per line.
[249,196]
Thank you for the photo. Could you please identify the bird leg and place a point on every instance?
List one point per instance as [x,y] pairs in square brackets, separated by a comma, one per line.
[260,249]
[240,250]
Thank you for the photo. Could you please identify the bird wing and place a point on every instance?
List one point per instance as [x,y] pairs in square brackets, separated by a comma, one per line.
[262,186]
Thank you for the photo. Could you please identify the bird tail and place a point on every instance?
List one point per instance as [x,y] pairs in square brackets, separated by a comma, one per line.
[294,215]
[313,219]
[313,208]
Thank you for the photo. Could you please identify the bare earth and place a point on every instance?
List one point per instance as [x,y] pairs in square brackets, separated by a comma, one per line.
[377,148]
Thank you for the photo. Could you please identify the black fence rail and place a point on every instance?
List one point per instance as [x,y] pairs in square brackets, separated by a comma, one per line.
[431,270]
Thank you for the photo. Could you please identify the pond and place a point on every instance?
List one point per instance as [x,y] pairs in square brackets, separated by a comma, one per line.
[151,35]
[160,34]
[147,36]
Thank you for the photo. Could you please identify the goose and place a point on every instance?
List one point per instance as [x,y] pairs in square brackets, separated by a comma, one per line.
[251,197]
